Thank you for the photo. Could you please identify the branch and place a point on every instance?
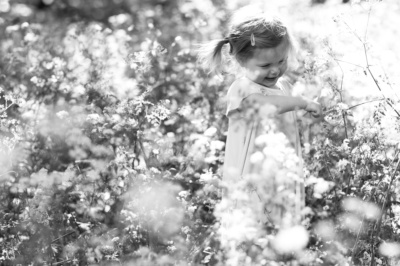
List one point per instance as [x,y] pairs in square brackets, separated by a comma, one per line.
[351,107]
[388,82]
[343,61]
[387,101]
[376,81]
[364,42]
[341,99]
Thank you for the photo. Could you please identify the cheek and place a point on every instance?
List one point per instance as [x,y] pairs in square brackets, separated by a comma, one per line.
[258,72]
[284,67]
[254,73]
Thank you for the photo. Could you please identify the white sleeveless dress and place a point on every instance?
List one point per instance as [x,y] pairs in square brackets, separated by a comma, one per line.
[278,192]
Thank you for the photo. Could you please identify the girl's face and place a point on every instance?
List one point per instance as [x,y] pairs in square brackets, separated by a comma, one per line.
[267,65]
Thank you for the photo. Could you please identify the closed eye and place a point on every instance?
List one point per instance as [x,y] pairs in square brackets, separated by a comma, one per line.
[280,62]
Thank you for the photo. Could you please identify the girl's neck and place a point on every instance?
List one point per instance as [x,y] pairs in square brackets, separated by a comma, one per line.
[274,87]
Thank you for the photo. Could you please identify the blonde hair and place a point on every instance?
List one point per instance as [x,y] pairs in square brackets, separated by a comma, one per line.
[250,29]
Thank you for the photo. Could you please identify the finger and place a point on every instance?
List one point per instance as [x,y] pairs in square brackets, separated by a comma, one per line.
[316,114]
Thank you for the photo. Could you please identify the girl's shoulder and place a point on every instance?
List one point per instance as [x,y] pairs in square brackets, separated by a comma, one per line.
[240,82]
[243,86]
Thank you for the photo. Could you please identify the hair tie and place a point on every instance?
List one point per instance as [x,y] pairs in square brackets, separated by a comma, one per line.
[252,40]
[226,40]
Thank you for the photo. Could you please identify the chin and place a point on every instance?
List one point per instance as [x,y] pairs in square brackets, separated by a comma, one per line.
[270,83]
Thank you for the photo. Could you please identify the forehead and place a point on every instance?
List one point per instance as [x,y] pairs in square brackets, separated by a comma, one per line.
[271,55]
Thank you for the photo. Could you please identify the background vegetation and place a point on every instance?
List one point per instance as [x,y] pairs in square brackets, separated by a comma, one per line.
[112,137]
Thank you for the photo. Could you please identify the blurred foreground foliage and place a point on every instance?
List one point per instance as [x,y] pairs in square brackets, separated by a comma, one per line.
[112,139]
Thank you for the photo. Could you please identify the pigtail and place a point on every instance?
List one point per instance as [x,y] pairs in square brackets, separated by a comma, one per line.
[293,62]
[210,55]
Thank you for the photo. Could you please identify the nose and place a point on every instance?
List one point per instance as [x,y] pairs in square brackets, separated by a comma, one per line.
[274,71]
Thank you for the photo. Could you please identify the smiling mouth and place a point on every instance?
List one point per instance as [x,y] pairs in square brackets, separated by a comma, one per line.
[271,79]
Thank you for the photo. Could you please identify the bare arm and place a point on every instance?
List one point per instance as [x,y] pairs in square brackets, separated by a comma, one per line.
[284,103]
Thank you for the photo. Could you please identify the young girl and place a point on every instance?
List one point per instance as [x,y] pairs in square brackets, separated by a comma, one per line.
[262,47]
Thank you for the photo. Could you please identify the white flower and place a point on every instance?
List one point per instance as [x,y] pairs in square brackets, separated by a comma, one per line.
[365,148]
[119,19]
[321,186]
[342,164]
[93,118]
[326,230]
[216,145]
[390,249]
[291,240]
[206,176]
[4,6]
[186,229]
[211,131]
[115,239]
[34,79]
[184,194]
[185,111]
[78,90]
[84,226]
[12,28]
[30,37]
[368,209]
[191,210]
[106,195]
[171,248]
[257,157]
[62,114]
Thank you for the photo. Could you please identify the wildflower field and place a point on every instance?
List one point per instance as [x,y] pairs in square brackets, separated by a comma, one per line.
[112,136]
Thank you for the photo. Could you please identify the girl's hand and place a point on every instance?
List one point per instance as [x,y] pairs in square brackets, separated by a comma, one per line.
[314,108]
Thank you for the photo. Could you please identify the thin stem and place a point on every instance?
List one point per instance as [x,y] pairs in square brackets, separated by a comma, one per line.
[343,61]
[376,81]
[345,124]
[358,236]
[352,31]
[62,262]
[67,234]
[366,27]
[379,223]
[5,109]
[388,82]
[341,100]
[377,84]
[329,172]
[9,172]
[144,153]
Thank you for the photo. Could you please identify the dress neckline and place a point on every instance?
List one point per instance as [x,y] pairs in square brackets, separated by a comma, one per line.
[277,86]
